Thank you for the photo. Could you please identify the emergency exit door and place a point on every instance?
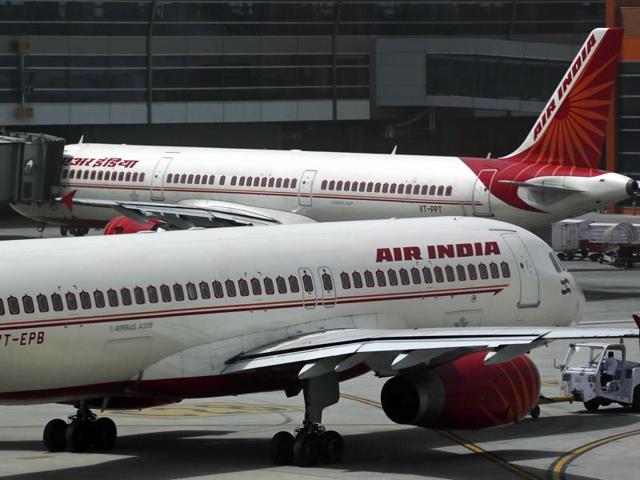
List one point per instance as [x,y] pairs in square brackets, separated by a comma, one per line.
[482,193]
[527,272]
[305,189]
[157,179]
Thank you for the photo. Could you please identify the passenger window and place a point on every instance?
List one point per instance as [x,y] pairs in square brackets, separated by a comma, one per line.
[192,293]
[345,280]
[440,190]
[14,306]
[326,281]
[347,186]
[72,174]
[190,179]
[268,286]
[424,190]
[294,182]
[98,298]
[393,277]
[256,288]
[85,300]
[401,188]
[332,185]
[142,177]
[462,274]
[385,187]
[183,178]
[65,173]
[165,293]
[100,175]
[415,276]
[473,273]
[125,294]
[271,182]
[506,273]
[263,182]
[357,279]
[138,294]
[134,177]
[212,179]
[43,304]
[484,273]
[404,276]
[339,185]
[368,279]
[197,179]
[281,284]
[1,307]
[416,189]
[377,188]
[437,271]
[93,175]
[392,188]
[56,302]
[243,287]
[426,273]
[285,183]
[86,174]
[381,279]
[205,293]
[178,292]
[231,288]
[448,270]
[217,289]
[107,176]
[354,186]
[448,191]
[432,190]
[27,303]
[256,181]
[278,183]
[241,182]
[205,179]
[169,177]
[112,295]
[307,281]
[249,181]
[120,176]
[293,284]
[127,177]
[72,303]
[493,268]
[152,294]
[362,186]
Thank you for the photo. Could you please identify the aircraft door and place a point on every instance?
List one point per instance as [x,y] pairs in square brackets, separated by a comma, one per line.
[305,189]
[328,287]
[528,275]
[157,179]
[482,193]
[308,288]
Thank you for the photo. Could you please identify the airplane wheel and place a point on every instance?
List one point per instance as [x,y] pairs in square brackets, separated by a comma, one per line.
[305,450]
[535,412]
[282,448]
[635,406]
[64,231]
[79,436]
[104,433]
[592,405]
[55,435]
[330,447]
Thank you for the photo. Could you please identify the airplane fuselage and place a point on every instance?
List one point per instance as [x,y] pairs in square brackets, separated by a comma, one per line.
[138,311]
[326,186]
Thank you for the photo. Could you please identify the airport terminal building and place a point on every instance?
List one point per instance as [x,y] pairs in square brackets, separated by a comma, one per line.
[433,77]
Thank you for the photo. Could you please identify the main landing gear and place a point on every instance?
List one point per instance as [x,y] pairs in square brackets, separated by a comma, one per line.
[312,443]
[83,432]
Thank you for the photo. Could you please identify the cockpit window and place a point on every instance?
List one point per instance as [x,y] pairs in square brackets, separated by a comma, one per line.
[556,263]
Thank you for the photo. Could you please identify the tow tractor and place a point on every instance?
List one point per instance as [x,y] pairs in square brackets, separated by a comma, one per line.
[582,379]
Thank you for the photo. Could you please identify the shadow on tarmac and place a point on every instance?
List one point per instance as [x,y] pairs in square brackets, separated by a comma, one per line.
[409,451]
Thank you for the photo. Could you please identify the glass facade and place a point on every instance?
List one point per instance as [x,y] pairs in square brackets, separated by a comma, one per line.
[493,76]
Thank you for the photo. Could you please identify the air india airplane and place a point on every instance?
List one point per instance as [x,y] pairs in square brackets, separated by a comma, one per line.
[553,175]
[446,308]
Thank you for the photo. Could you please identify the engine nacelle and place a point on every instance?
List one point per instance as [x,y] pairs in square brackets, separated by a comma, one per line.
[120,225]
[464,394]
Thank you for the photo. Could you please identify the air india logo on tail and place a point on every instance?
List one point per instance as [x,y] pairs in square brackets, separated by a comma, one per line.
[570,130]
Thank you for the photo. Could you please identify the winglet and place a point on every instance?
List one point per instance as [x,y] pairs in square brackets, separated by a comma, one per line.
[67,200]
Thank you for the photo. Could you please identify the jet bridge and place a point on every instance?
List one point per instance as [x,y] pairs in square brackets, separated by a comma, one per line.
[30,164]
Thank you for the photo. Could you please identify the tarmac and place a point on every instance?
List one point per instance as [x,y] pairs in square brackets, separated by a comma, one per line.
[229,437]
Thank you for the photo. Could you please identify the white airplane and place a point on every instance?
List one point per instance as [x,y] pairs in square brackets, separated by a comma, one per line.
[141,320]
[551,176]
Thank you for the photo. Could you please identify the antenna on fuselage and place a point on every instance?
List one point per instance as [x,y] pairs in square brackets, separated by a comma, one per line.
[489,155]
[395,149]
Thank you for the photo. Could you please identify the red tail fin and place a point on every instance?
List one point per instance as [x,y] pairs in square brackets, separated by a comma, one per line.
[570,130]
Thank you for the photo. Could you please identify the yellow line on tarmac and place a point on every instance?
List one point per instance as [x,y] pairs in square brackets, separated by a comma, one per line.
[557,471]
[492,457]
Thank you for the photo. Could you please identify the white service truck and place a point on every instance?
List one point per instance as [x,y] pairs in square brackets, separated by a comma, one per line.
[584,376]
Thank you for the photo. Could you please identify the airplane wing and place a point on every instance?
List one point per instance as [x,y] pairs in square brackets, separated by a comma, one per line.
[388,351]
[190,213]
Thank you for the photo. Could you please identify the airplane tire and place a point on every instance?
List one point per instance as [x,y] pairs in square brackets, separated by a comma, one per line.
[592,405]
[55,435]
[104,433]
[282,448]
[305,450]
[330,447]
[635,405]
[535,412]
[79,436]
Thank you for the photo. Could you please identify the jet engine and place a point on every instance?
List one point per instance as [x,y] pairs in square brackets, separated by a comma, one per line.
[124,224]
[464,394]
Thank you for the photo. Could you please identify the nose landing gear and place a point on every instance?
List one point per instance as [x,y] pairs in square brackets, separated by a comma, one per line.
[311,442]
[83,432]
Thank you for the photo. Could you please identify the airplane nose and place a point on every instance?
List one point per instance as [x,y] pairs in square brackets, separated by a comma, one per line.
[632,188]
